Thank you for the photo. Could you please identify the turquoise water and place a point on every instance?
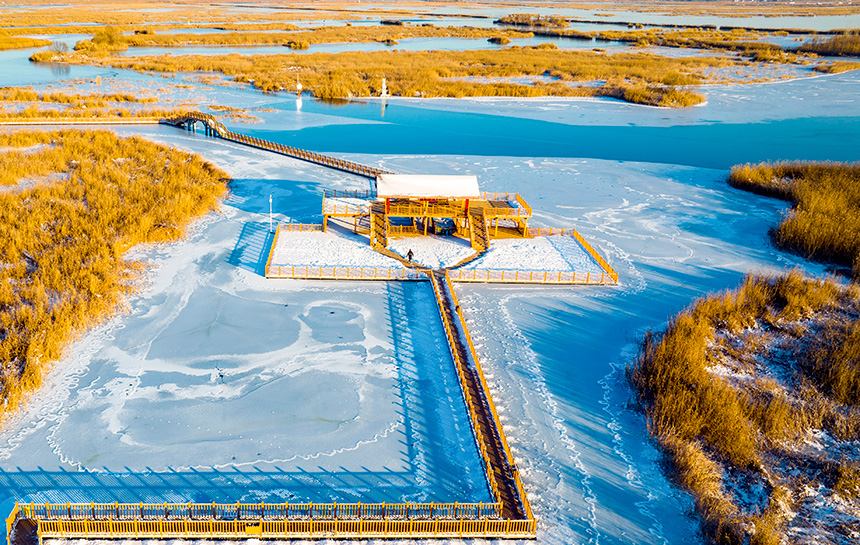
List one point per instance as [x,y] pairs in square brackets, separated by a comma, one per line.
[410,130]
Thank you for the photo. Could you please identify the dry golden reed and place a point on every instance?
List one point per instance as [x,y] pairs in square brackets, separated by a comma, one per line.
[715,431]
[824,223]
[71,204]
[637,77]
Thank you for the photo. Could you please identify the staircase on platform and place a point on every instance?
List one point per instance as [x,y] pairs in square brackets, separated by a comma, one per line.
[479,233]
[378,225]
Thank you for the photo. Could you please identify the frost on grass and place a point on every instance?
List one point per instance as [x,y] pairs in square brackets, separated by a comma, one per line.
[753,395]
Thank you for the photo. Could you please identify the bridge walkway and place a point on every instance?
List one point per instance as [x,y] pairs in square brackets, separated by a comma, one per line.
[502,473]
[213,127]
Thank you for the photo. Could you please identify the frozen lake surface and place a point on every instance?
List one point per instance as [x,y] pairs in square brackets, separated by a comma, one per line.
[210,344]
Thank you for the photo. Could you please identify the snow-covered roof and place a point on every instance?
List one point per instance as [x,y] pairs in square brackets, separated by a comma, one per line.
[427,186]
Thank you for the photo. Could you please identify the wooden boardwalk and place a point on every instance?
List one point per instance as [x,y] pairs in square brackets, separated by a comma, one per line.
[213,127]
[502,472]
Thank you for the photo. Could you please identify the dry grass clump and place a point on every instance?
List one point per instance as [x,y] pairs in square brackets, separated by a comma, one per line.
[532,20]
[708,391]
[72,203]
[824,223]
[740,41]
[837,67]
[27,94]
[845,45]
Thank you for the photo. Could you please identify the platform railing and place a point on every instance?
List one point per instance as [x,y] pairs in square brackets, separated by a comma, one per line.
[409,520]
[521,210]
[342,273]
[531,277]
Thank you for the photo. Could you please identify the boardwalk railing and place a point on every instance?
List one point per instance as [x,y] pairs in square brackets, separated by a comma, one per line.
[216,128]
[113,120]
[523,209]
[531,277]
[258,511]
[301,227]
[447,301]
[274,521]
[342,273]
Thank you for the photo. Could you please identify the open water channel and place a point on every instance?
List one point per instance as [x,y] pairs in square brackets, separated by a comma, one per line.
[218,385]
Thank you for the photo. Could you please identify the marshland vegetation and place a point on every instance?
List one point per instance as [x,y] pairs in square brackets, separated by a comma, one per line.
[733,391]
[71,204]
[845,45]
[112,38]
[640,77]
[19,42]
[824,223]
[22,103]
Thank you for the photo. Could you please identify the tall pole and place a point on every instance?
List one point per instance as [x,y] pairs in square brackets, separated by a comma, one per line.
[271,221]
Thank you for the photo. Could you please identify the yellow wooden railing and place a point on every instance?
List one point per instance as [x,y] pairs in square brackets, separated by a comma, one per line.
[347,193]
[532,277]
[597,257]
[418,210]
[342,273]
[220,130]
[302,227]
[416,520]
[496,422]
[330,208]
[10,522]
[524,210]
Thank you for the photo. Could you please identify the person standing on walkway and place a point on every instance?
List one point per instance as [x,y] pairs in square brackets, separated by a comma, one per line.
[409,254]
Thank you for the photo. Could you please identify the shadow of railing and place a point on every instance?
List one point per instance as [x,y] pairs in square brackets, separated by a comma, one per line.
[252,248]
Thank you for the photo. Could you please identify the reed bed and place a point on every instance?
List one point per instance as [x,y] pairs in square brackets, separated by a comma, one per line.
[729,430]
[844,45]
[72,203]
[331,34]
[15,42]
[532,20]
[824,223]
[27,94]
[628,76]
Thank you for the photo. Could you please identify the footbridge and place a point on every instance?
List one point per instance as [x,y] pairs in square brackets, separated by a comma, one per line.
[212,127]
[502,473]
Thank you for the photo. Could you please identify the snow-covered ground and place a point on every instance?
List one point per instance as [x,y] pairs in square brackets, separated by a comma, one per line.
[432,251]
[553,254]
[336,248]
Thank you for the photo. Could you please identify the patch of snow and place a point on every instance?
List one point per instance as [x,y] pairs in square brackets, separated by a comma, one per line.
[336,248]
[432,251]
[564,254]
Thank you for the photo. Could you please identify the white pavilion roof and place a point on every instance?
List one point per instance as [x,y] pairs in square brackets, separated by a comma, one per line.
[427,186]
